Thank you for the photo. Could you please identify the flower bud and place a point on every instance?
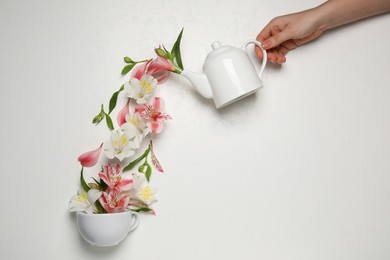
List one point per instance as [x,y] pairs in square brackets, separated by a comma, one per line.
[162,53]
[128,60]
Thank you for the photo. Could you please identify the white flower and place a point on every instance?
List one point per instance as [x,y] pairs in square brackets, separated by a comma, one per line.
[84,201]
[138,122]
[123,142]
[142,190]
[141,90]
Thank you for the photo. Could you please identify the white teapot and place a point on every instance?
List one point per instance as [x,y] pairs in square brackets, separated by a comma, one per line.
[229,74]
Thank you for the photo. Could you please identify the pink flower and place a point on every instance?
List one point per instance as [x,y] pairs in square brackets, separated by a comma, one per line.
[121,118]
[89,159]
[155,115]
[155,162]
[159,68]
[114,201]
[114,179]
[139,71]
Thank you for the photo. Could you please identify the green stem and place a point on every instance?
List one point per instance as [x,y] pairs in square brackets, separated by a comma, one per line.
[85,186]
[136,161]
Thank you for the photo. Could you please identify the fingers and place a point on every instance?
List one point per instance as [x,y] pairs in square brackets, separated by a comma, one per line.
[259,53]
[272,38]
[271,41]
[277,38]
[276,57]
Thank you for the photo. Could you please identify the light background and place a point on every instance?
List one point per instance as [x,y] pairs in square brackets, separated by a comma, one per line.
[300,170]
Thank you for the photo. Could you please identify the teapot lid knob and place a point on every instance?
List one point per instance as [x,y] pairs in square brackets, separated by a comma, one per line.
[215,45]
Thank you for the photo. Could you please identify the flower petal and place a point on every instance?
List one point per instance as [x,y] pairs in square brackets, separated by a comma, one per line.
[158,104]
[160,69]
[94,195]
[155,162]
[89,159]
[159,64]
[139,71]
[121,118]
[155,127]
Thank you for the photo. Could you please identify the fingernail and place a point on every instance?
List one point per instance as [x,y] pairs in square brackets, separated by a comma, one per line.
[266,44]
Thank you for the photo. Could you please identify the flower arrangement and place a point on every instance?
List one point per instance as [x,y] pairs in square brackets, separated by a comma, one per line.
[120,185]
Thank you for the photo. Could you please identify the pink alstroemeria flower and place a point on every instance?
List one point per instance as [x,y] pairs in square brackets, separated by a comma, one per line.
[121,118]
[139,71]
[159,68]
[114,178]
[155,115]
[114,201]
[89,159]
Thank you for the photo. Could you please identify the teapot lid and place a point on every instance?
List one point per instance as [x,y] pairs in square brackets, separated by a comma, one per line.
[215,45]
[218,49]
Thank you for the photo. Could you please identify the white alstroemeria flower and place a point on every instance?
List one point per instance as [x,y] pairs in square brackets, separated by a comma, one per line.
[84,201]
[142,190]
[138,122]
[141,89]
[132,130]
[123,142]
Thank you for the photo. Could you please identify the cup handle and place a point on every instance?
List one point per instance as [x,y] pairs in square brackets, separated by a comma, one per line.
[264,61]
[135,222]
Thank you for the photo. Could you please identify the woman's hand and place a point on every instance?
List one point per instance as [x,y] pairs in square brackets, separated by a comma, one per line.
[285,33]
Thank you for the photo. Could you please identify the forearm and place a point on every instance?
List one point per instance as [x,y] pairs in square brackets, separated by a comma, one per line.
[334,13]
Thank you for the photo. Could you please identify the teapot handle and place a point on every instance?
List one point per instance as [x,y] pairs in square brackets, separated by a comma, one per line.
[258,44]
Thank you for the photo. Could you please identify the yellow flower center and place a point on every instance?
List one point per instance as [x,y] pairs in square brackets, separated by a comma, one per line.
[134,121]
[146,87]
[120,143]
[145,193]
[115,178]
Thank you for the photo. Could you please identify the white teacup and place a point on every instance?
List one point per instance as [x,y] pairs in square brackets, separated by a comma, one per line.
[106,229]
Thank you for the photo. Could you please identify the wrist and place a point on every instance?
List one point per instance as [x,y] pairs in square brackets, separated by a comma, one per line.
[324,16]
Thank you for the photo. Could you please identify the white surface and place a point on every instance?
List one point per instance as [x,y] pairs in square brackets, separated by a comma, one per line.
[300,171]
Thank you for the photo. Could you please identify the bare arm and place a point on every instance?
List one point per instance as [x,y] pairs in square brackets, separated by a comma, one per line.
[285,33]
[334,13]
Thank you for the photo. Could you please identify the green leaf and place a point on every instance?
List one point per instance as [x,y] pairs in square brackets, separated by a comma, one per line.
[84,185]
[102,185]
[114,99]
[148,172]
[127,68]
[128,60]
[142,210]
[109,122]
[176,50]
[99,207]
[132,164]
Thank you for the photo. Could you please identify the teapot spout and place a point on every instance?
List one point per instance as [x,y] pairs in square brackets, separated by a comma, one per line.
[200,82]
